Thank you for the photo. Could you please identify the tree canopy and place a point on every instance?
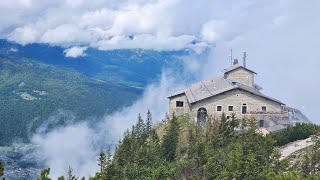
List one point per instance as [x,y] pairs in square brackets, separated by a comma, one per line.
[178,148]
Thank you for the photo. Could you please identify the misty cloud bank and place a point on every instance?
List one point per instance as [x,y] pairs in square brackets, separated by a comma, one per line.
[145,24]
[78,145]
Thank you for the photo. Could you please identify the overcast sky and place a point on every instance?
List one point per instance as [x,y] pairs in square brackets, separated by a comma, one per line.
[280,36]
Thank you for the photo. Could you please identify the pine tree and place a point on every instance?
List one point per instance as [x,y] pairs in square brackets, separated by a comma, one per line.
[192,141]
[306,169]
[70,174]
[201,154]
[140,126]
[153,155]
[44,175]
[61,178]
[315,155]
[171,140]
[244,123]
[102,161]
[1,169]
[109,157]
[149,123]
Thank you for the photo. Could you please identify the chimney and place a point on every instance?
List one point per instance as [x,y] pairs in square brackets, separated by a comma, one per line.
[235,62]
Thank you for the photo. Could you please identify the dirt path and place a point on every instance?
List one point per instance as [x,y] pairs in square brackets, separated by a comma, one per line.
[294,146]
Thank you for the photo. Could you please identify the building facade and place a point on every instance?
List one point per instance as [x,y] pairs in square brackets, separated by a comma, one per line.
[233,93]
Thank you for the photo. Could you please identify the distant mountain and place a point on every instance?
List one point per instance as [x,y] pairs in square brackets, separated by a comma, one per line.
[38,81]
[138,66]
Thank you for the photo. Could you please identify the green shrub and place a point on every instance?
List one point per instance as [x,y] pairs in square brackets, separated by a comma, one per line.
[294,133]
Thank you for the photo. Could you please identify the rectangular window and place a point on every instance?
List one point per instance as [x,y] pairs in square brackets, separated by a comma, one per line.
[219,108]
[264,108]
[261,124]
[179,103]
[228,117]
[244,110]
[230,108]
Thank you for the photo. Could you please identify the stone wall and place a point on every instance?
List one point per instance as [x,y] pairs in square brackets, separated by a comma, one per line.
[242,76]
[179,110]
[235,98]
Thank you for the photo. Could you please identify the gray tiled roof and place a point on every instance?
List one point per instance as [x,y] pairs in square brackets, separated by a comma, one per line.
[234,67]
[209,88]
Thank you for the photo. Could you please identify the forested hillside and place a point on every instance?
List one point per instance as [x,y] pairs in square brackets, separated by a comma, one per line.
[37,81]
[179,149]
[30,92]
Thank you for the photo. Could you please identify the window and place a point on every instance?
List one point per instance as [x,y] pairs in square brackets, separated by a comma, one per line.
[202,116]
[244,109]
[219,108]
[228,117]
[261,123]
[179,103]
[230,108]
[264,108]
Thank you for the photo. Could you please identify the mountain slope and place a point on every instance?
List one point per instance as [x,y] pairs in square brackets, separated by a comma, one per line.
[30,92]
[134,66]
[37,81]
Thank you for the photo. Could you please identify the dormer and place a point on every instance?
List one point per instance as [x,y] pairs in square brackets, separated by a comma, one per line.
[240,74]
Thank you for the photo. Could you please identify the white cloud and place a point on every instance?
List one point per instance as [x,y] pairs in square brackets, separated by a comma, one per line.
[75,52]
[145,41]
[23,35]
[79,145]
[65,34]
[14,50]
[160,25]
[70,146]
[211,31]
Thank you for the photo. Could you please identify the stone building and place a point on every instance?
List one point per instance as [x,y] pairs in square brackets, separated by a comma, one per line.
[234,92]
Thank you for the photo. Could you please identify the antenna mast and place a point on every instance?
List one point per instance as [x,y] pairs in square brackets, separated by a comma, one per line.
[231,58]
[244,59]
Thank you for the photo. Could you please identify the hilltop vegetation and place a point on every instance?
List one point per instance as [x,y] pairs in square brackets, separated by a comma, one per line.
[179,149]
[297,132]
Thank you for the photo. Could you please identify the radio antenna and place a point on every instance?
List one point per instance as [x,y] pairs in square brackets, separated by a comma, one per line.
[231,58]
[244,59]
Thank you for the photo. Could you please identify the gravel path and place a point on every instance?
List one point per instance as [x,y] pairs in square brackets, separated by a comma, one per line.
[294,146]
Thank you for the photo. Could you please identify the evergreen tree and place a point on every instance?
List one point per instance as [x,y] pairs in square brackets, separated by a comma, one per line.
[315,156]
[44,175]
[1,169]
[102,160]
[109,157]
[306,168]
[149,123]
[192,141]
[70,174]
[140,128]
[153,154]
[61,178]
[171,140]
[201,154]
[184,150]
[283,176]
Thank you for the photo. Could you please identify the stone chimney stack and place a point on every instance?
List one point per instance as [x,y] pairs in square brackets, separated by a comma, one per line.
[235,62]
